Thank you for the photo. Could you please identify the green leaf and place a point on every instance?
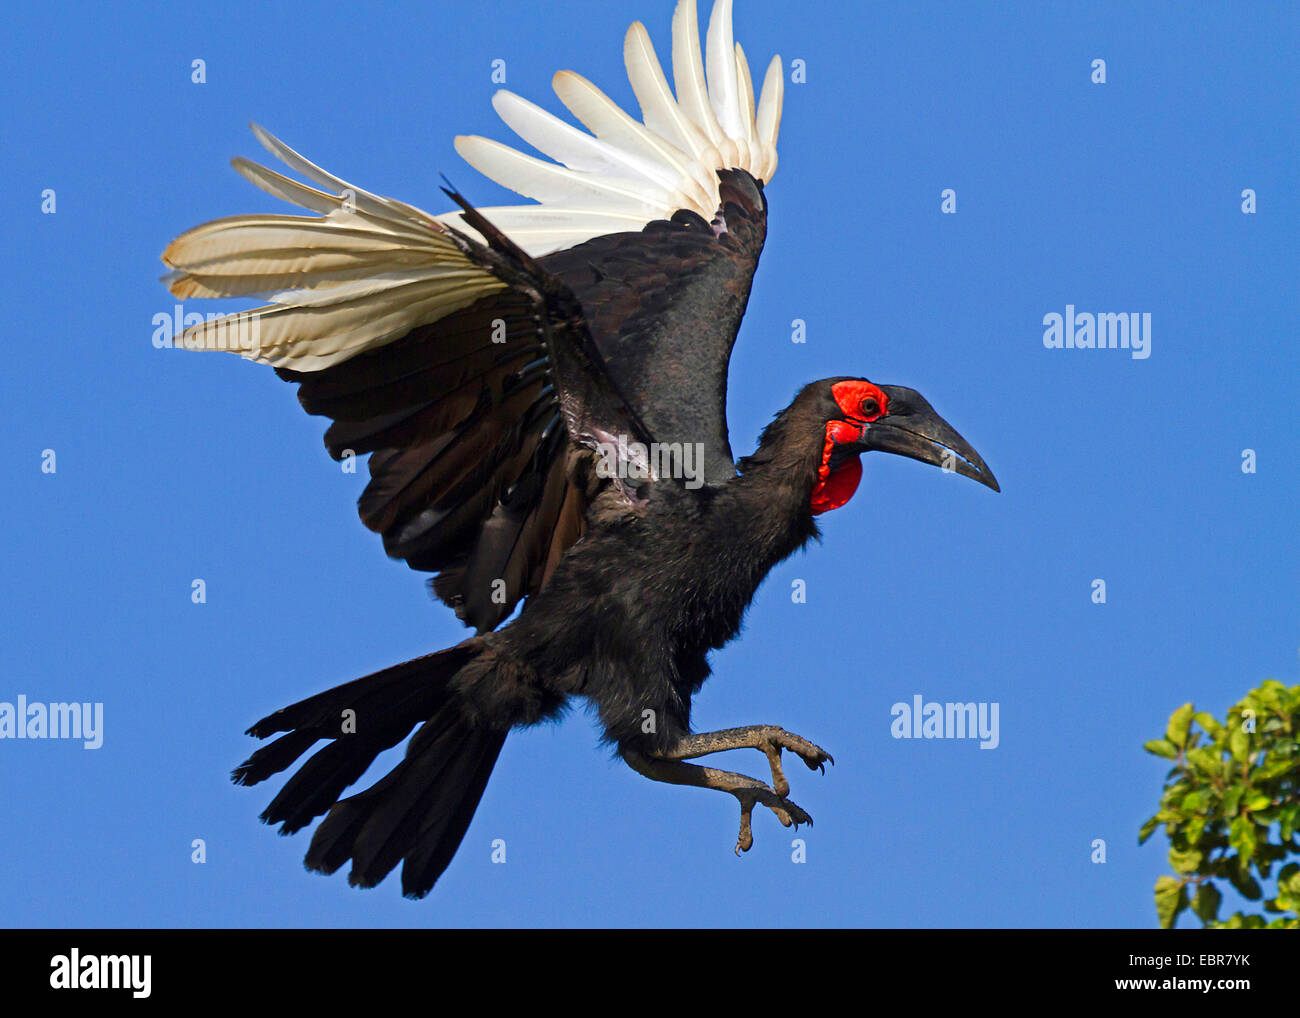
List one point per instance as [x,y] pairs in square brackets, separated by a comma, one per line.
[1179,721]
[1205,761]
[1210,724]
[1259,801]
[1289,819]
[1171,898]
[1273,695]
[1286,902]
[1185,861]
[1239,744]
[1162,747]
[1226,788]
[1241,835]
[1207,901]
[1277,766]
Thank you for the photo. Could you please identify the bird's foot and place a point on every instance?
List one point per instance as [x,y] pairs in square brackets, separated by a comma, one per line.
[771,740]
[787,812]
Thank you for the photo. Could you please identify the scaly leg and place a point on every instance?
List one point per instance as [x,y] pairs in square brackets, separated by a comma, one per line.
[768,738]
[669,768]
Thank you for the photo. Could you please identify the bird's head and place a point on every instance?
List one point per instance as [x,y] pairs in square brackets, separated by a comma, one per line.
[861,416]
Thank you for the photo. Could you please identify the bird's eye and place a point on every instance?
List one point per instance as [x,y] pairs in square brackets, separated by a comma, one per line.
[870,407]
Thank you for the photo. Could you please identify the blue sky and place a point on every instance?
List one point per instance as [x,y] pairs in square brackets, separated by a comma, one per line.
[1115,197]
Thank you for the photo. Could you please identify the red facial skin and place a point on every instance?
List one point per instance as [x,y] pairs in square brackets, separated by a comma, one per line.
[835,489]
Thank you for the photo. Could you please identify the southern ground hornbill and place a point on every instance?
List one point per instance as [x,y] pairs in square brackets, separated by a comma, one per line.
[542,392]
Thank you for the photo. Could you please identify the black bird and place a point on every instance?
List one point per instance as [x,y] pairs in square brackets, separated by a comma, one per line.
[542,393]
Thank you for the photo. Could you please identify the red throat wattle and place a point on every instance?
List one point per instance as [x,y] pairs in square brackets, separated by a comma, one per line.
[835,488]
[862,403]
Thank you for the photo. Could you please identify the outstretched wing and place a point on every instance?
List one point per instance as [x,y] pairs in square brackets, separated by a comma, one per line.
[665,303]
[480,357]
[463,367]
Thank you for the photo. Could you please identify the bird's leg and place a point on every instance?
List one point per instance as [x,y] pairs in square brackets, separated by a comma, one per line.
[747,791]
[768,738]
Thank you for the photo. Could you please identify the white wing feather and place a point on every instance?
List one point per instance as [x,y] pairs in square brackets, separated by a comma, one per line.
[668,161]
[368,269]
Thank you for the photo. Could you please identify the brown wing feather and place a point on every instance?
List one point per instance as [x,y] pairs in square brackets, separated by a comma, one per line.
[467,421]
[664,307]
[477,468]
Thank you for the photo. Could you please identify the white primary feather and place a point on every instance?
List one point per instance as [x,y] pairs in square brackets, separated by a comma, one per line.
[369,269]
[688,72]
[364,273]
[550,182]
[308,332]
[768,122]
[602,116]
[724,93]
[566,144]
[625,169]
[746,98]
[389,208]
[543,228]
[659,110]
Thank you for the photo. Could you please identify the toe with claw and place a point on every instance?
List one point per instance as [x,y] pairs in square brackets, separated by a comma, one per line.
[670,767]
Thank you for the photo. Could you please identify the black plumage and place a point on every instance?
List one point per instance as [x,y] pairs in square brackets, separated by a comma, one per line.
[512,434]
[470,472]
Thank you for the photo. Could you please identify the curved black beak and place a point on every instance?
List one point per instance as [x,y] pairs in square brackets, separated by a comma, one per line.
[912,428]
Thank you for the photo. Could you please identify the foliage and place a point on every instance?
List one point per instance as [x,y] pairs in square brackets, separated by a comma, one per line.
[1231,810]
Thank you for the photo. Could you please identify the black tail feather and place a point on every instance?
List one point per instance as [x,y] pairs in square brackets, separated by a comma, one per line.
[420,810]
[432,854]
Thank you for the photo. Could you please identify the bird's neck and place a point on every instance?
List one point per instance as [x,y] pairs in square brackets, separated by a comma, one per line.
[726,539]
[773,491]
